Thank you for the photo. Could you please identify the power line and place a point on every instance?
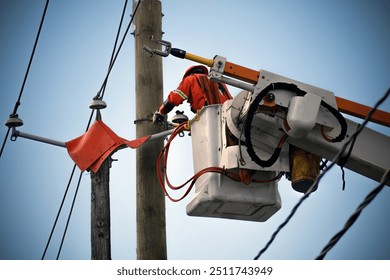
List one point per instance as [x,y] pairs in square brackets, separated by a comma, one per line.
[319,177]
[17,103]
[31,58]
[114,48]
[100,93]
[59,212]
[4,141]
[352,219]
[70,215]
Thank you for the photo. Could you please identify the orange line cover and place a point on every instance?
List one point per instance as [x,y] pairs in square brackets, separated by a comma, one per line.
[90,149]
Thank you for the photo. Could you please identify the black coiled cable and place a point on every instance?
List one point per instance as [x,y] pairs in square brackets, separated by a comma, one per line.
[253,109]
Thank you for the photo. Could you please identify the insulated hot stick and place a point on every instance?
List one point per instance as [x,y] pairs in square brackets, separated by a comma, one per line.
[252,76]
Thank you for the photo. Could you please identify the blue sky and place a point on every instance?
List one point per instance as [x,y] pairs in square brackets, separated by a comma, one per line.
[341,46]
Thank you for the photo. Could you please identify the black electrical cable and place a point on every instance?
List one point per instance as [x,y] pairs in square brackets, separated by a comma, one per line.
[4,141]
[352,219]
[254,107]
[102,90]
[319,177]
[343,177]
[99,96]
[17,103]
[70,215]
[59,212]
[31,58]
[343,160]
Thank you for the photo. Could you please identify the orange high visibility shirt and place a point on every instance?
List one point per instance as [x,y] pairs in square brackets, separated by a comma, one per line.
[190,89]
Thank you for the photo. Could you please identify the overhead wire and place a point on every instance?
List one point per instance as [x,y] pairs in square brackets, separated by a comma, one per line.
[18,101]
[31,58]
[103,88]
[100,92]
[5,141]
[352,219]
[319,177]
[59,212]
[69,216]
[100,95]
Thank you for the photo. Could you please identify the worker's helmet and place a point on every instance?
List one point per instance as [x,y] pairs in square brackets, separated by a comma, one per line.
[196,69]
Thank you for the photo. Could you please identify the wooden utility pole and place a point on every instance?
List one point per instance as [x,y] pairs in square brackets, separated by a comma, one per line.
[100,211]
[100,214]
[151,230]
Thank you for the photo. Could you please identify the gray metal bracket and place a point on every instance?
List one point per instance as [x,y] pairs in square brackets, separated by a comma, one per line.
[16,133]
[164,52]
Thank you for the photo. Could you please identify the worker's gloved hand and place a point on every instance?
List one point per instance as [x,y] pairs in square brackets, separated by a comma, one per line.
[158,118]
